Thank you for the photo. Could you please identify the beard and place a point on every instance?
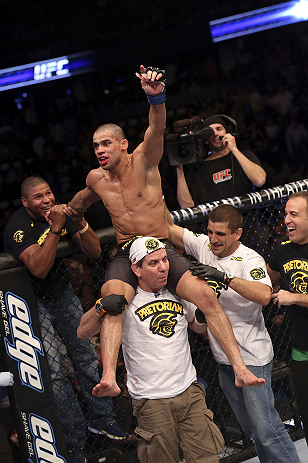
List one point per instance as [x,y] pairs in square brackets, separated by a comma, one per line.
[216,148]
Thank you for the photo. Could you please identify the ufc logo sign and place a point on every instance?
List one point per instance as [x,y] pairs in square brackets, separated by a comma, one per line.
[222,176]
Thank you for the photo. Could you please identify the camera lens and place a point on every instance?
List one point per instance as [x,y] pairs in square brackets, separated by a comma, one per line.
[183,154]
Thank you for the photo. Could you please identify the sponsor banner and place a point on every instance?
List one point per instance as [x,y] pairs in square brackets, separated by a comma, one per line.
[31,398]
[47,70]
[263,197]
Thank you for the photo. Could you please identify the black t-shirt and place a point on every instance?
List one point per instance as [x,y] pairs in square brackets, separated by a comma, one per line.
[21,232]
[291,261]
[218,178]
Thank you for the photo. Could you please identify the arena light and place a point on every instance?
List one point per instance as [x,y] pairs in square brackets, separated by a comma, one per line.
[44,71]
[259,20]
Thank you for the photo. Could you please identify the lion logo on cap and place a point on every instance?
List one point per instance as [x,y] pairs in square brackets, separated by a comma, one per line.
[151,244]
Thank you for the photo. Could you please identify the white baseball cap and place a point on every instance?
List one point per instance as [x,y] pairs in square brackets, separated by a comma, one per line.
[143,246]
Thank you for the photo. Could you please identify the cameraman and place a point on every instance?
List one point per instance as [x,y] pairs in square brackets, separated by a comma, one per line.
[225,173]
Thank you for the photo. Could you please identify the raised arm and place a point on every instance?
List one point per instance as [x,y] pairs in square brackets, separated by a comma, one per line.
[153,83]
[183,195]
[254,172]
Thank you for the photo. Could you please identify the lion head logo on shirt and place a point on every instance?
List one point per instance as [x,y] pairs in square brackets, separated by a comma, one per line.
[258,273]
[163,324]
[18,236]
[297,271]
[163,314]
[299,282]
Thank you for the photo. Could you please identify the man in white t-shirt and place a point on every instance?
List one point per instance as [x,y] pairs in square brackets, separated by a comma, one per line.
[167,400]
[238,276]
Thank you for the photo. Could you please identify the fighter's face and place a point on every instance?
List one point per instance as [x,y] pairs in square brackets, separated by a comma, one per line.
[153,273]
[216,144]
[38,201]
[108,149]
[296,220]
[223,242]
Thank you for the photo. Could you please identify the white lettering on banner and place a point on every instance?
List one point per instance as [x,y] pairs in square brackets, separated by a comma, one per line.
[275,191]
[24,346]
[282,191]
[4,315]
[26,426]
[290,189]
[193,216]
[239,202]
[185,214]
[48,70]
[203,209]
[177,215]
[44,440]
[255,198]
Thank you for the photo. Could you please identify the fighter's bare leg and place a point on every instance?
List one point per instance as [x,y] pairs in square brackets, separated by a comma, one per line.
[198,291]
[110,340]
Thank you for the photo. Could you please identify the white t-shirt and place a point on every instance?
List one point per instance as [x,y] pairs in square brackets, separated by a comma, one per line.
[246,317]
[155,345]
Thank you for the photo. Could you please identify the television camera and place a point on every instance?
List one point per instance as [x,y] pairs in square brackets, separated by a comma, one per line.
[187,145]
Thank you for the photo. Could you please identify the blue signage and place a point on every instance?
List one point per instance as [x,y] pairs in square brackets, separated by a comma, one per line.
[259,20]
[44,71]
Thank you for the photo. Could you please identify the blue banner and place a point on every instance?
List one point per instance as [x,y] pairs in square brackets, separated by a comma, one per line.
[37,422]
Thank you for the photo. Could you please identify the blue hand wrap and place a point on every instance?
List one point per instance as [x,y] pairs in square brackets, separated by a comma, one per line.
[157,99]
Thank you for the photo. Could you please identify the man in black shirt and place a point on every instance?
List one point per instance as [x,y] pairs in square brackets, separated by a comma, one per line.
[31,239]
[225,173]
[290,263]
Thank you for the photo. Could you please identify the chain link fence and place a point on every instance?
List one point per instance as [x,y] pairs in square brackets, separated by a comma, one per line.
[263,216]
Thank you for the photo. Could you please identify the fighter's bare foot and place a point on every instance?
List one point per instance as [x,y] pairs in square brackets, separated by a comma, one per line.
[106,388]
[246,378]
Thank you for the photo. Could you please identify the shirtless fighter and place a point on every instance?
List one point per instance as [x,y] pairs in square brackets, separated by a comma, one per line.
[130,187]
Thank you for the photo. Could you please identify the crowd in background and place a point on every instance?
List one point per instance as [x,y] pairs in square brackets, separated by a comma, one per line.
[47,129]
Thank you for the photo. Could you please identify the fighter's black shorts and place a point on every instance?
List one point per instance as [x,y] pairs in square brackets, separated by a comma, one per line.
[120,267]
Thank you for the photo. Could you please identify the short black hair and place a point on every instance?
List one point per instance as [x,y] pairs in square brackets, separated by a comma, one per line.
[29,183]
[227,213]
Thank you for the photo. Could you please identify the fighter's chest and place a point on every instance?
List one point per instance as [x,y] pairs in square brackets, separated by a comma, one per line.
[128,192]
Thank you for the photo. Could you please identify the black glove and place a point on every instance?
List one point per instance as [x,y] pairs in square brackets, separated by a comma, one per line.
[162,79]
[207,272]
[200,316]
[113,304]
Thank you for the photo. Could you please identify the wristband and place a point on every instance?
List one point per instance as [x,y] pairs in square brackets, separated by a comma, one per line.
[99,307]
[198,323]
[55,233]
[200,317]
[84,229]
[228,279]
[157,99]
